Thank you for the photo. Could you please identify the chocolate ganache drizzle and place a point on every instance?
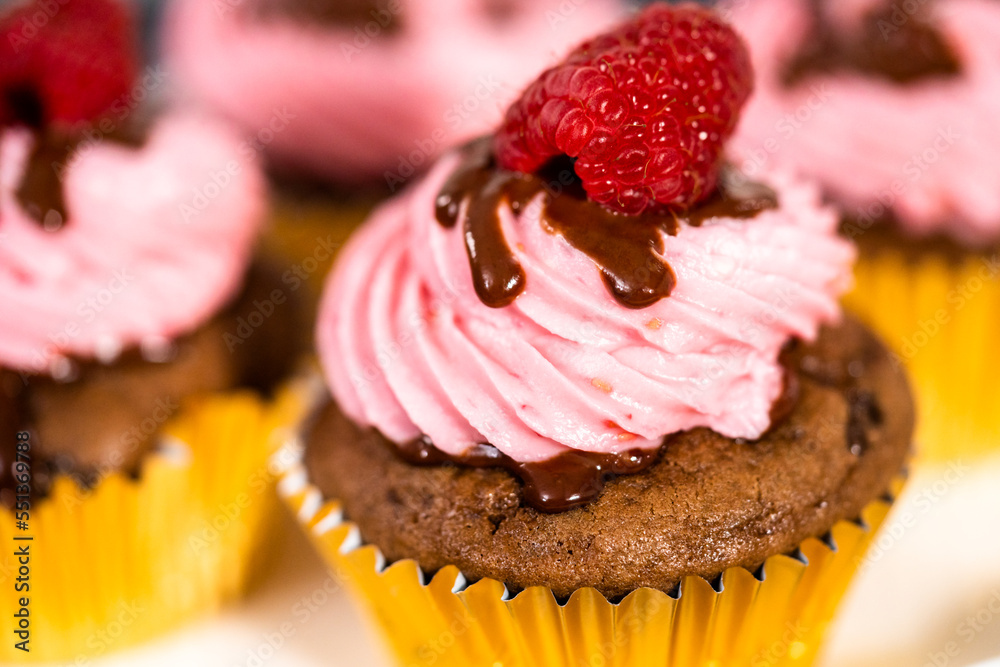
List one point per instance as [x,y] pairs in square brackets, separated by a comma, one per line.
[901,46]
[561,483]
[627,249]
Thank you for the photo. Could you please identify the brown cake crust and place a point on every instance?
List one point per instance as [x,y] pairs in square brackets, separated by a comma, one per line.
[709,503]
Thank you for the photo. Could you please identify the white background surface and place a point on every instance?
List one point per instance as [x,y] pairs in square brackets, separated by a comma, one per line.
[940,565]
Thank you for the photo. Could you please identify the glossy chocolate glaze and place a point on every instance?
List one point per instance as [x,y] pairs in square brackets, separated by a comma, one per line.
[556,485]
[627,249]
[901,47]
[334,13]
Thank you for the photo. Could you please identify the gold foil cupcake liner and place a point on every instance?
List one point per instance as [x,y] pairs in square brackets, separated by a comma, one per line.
[129,558]
[942,318]
[776,616]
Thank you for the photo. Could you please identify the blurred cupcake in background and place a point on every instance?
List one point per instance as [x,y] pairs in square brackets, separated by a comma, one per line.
[363,94]
[891,107]
[358,91]
[144,348]
[593,401]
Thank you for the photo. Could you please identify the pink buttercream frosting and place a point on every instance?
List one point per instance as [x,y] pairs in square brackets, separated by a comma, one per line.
[325,99]
[926,152]
[409,348]
[156,240]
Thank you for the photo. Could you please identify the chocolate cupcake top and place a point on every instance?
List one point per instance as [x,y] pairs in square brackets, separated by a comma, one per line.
[107,245]
[588,280]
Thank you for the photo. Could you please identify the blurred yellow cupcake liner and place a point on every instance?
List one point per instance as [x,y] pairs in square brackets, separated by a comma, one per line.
[941,316]
[775,617]
[308,233]
[129,558]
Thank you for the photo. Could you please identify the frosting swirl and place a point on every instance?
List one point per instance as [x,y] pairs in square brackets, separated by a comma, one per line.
[409,347]
[922,153]
[157,239]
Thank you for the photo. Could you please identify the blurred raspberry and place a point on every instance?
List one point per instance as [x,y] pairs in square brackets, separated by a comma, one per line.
[64,63]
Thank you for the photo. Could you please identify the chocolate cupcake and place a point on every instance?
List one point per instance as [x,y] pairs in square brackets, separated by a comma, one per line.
[143,352]
[592,395]
[889,107]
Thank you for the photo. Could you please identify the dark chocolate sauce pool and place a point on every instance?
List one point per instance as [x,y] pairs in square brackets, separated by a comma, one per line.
[626,249]
[566,481]
[900,46]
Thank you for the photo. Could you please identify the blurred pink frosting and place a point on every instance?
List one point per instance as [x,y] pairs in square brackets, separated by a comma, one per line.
[409,348]
[321,99]
[156,241]
[927,151]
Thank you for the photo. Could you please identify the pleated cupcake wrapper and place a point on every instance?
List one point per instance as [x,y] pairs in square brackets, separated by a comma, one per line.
[943,320]
[774,617]
[130,558]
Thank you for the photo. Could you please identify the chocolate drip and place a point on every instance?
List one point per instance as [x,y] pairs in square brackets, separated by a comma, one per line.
[893,44]
[496,273]
[566,481]
[626,249]
[40,192]
[337,13]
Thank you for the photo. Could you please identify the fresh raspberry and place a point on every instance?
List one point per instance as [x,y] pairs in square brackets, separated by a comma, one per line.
[644,109]
[64,63]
